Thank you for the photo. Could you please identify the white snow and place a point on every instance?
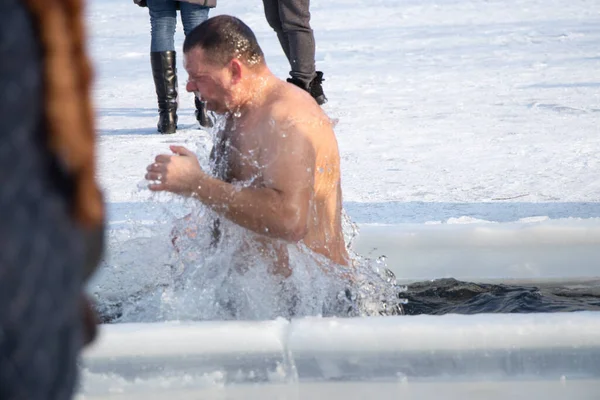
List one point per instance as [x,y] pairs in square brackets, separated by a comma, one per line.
[447,109]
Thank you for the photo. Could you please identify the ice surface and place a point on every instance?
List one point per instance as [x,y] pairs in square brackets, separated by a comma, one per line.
[477,348]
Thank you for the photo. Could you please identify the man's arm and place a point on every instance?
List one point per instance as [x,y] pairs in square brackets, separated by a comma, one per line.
[280,209]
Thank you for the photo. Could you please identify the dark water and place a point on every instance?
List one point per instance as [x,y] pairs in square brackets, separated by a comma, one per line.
[450,296]
[444,296]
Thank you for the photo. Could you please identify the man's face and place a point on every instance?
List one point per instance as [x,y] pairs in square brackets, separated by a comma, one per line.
[212,83]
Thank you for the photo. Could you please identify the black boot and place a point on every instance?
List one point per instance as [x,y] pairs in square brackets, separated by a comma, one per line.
[202,114]
[314,88]
[164,72]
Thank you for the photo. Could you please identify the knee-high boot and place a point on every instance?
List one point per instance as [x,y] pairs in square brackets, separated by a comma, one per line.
[164,72]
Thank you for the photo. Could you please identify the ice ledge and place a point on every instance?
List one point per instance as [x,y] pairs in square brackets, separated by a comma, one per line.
[483,345]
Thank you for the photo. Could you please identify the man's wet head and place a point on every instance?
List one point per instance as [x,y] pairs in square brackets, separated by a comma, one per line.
[223,60]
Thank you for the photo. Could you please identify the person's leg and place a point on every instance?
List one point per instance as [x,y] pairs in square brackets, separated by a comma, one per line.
[271,8]
[295,24]
[163,20]
[193,15]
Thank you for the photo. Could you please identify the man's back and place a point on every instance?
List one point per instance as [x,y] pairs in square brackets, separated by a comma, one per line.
[324,234]
[280,141]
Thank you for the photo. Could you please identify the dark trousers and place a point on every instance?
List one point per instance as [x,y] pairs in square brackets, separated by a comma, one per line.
[291,21]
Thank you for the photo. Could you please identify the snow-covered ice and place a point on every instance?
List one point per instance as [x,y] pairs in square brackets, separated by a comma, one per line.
[485,109]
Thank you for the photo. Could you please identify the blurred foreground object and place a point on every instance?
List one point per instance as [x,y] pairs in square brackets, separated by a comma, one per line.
[51,209]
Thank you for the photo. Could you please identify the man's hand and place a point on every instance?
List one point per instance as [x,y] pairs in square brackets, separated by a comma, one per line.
[180,173]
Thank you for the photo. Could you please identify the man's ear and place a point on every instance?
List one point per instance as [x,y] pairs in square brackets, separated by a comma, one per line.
[235,67]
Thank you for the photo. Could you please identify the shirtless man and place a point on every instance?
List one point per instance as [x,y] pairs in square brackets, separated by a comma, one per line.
[277,165]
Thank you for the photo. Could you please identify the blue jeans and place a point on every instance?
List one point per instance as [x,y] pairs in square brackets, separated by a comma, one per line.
[163,20]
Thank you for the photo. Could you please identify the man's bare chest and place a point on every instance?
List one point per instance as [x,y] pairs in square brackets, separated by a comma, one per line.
[236,158]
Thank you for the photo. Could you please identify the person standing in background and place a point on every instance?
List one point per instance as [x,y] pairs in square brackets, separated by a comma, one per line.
[290,19]
[163,21]
[51,209]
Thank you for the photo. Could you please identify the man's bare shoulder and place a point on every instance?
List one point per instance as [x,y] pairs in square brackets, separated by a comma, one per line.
[289,101]
[293,109]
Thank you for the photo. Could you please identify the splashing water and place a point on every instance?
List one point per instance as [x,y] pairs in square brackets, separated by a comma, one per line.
[194,280]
